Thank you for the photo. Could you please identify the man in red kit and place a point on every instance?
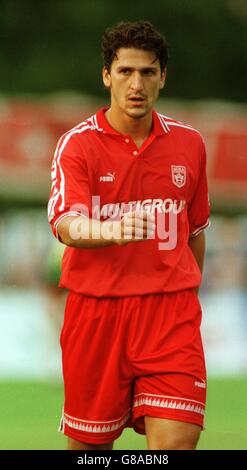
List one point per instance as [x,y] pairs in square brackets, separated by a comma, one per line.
[129,199]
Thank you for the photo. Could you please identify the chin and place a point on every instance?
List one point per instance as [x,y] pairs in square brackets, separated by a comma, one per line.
[136,113]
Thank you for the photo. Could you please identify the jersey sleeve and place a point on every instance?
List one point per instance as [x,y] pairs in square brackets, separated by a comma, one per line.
[199,207]
[70,191]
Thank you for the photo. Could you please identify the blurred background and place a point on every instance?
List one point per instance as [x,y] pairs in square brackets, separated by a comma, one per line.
[50,80]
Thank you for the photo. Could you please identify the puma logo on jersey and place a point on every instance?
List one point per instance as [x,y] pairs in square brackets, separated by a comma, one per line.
[200,384]
[108,177]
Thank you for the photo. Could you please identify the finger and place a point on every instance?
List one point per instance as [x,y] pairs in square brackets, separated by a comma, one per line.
[144,215]
[140,233]
[140,214]
[130,220]
[132,233]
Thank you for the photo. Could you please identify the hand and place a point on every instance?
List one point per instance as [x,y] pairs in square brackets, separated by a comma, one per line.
[134,226]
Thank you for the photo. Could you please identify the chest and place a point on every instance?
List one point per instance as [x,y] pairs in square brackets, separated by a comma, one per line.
[120,172]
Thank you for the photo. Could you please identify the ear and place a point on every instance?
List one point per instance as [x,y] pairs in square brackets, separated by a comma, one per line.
[163,79]
[106,76]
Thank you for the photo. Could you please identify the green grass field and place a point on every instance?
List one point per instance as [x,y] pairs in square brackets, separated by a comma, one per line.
[30,414]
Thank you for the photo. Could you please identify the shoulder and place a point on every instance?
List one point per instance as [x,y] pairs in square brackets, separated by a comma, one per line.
[180,128]
[79,132]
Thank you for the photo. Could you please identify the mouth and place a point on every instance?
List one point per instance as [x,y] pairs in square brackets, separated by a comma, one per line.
[137,100]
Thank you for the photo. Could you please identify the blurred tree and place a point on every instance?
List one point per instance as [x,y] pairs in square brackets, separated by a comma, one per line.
[51,45]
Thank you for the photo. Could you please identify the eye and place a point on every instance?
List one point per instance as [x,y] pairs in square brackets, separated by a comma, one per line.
[125,71]
[148,72]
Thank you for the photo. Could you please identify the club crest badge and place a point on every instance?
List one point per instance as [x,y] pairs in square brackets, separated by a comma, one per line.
[178,175]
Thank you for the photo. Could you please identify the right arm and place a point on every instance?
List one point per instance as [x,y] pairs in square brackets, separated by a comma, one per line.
[82,232]
[71,196]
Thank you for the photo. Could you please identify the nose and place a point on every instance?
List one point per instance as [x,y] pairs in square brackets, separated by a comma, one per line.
[136,81]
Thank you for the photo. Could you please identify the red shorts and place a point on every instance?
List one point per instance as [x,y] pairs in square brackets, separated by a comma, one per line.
[129,357]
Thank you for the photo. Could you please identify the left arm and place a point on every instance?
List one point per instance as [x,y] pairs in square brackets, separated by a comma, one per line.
[197,245]
[199,211]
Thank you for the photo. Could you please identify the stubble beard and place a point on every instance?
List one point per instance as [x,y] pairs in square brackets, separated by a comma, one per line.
[137,114]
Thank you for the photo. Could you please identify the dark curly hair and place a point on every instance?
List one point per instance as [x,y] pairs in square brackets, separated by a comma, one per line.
[133,34]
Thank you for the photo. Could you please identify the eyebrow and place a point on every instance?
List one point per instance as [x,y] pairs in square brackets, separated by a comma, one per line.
[142,69]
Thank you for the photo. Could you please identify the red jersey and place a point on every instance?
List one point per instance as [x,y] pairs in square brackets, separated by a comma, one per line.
[166,175]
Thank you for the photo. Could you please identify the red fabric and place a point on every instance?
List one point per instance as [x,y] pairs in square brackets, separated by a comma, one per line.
[170,168]
[126,358]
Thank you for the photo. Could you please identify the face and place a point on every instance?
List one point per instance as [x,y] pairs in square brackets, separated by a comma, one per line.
[134,80]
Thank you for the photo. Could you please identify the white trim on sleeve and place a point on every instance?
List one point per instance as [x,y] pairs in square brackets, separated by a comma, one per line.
[200,229]
[63,216]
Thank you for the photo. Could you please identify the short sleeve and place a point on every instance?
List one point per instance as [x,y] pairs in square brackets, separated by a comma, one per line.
[199,206]
[70,192]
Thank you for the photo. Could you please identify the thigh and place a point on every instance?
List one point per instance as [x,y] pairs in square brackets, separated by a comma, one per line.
[174,396]
[78,445]
[167,434]
[95,369]
[166,337]
[169,361]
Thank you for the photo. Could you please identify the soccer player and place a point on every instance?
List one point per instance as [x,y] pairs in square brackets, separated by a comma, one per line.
[129,199]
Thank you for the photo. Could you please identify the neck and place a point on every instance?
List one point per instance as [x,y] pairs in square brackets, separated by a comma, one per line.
[138,129]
